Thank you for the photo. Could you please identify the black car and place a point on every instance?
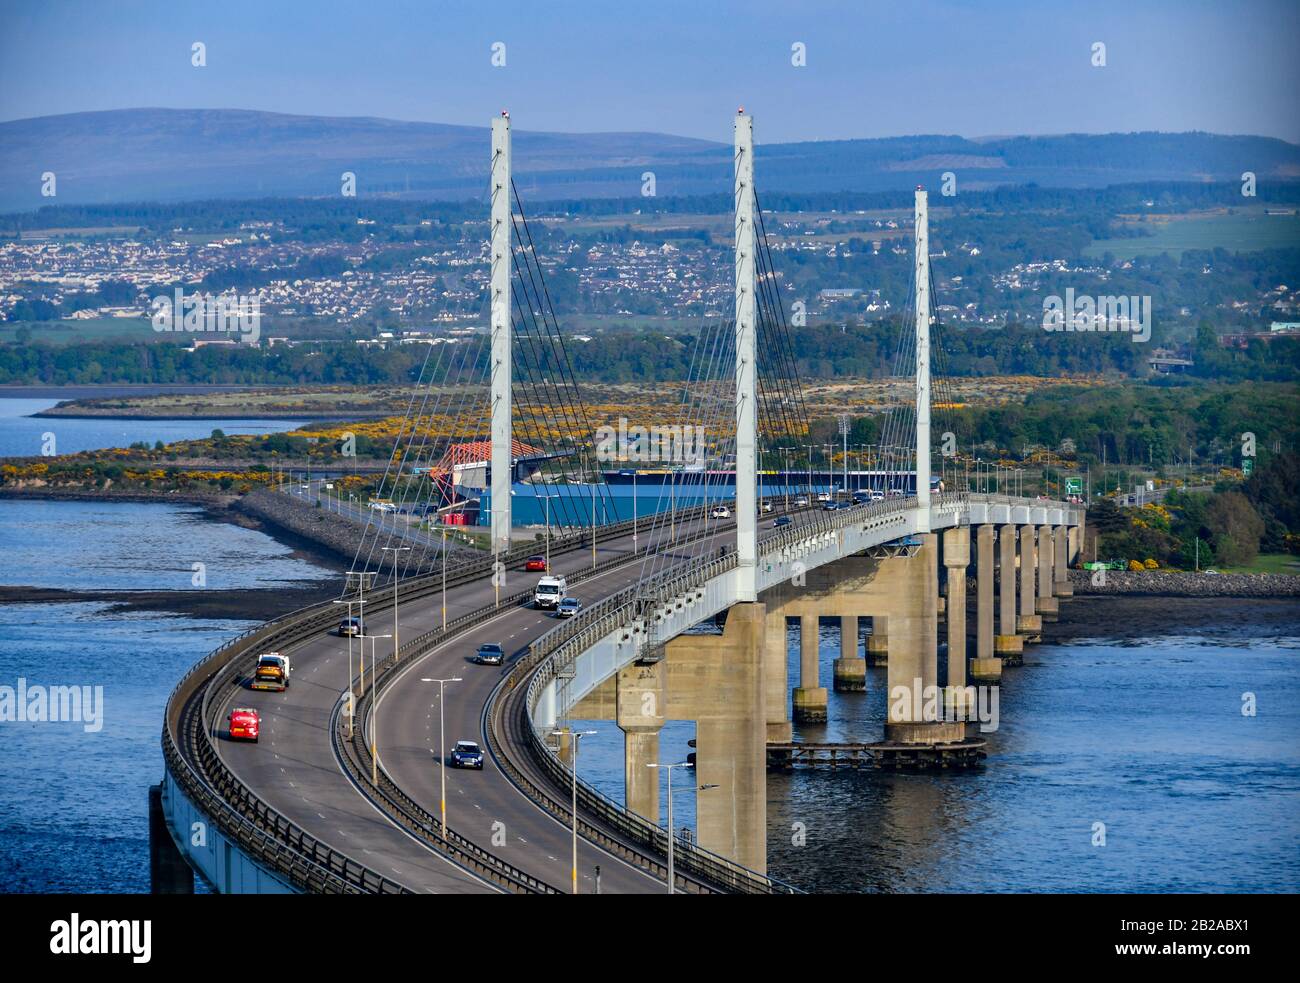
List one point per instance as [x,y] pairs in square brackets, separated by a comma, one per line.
[490,654]
[350,626]
[780,520]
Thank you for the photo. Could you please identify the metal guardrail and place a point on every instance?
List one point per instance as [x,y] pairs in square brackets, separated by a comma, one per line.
[563,644]
[191,758]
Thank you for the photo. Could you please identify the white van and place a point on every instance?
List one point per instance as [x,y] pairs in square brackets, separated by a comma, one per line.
[549,592]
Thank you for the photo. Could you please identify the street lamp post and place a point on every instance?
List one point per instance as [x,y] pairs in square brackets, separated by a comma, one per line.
[442,750]
[547,499]
[351,704]
[576,737]
[374,702]
[395,550]
[672,836]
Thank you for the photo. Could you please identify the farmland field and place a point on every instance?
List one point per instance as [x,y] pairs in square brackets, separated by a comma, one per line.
[1238,232]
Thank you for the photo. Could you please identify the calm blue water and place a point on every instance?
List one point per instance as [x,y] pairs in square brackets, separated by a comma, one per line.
[1145,736]
[22,435]
[75,806]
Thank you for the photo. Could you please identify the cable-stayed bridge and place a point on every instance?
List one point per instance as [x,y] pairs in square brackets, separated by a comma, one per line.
[349,790]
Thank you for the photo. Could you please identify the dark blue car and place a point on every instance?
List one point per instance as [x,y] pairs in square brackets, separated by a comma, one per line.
[467,754]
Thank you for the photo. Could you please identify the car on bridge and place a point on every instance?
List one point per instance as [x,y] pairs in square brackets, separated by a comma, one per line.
[568,607]
[720,512]
[467,754]
[272,672]
[350,626]
[877,496]
[801,502]
[490,654]
[781,520]
[535,563]
[766,506]
[244,724]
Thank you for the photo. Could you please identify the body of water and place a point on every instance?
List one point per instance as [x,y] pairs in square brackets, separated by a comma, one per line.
[75,814]
[1143,736]
[23,435]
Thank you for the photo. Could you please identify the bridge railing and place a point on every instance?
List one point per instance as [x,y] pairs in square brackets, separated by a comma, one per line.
[189,733]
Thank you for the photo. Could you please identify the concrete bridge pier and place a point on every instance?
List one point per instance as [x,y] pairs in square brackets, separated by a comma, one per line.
[878,642]
[1030,623]
[1048,605]
[986,666]
[776,702]
[809,698]
[850,668]
[912,594]
[1008,643]
[717,681]
[1061,586]
[956,557]
[640,716]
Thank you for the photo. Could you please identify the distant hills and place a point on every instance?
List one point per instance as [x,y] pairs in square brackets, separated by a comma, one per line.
[181,154]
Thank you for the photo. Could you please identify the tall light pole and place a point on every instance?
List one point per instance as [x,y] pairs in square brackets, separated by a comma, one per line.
[576,737]
[547,499]
[844,436]
[634,510]
[374,703]
[672,835]
[442,750]
[351,704]
[444,574]
[395,550]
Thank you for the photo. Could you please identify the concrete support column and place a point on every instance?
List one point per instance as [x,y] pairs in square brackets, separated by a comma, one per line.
[1061,564]
[913,643]
[1030,623]
[640,716]
[985,666]
[1046,603]
[809,698]
[717,681]
[956,557]
[878,642]
[776,658]
[1007,643]
[850,668]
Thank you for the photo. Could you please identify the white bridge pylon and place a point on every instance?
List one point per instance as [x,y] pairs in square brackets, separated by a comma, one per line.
[746,367]
[501,370]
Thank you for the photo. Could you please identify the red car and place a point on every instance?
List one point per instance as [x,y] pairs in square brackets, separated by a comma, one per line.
[535,563]
[244,724]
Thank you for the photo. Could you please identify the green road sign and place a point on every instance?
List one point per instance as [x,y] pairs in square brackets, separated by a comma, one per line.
[1247,466]
[1074,486]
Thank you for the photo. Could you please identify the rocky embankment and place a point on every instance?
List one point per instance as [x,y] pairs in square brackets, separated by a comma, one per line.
[1174,583]
[339,534]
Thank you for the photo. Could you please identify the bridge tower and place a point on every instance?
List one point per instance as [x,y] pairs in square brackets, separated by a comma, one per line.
[746,365]
[501,370]
[922,360]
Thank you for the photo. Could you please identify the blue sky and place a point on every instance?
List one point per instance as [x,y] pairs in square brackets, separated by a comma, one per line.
[873,68]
